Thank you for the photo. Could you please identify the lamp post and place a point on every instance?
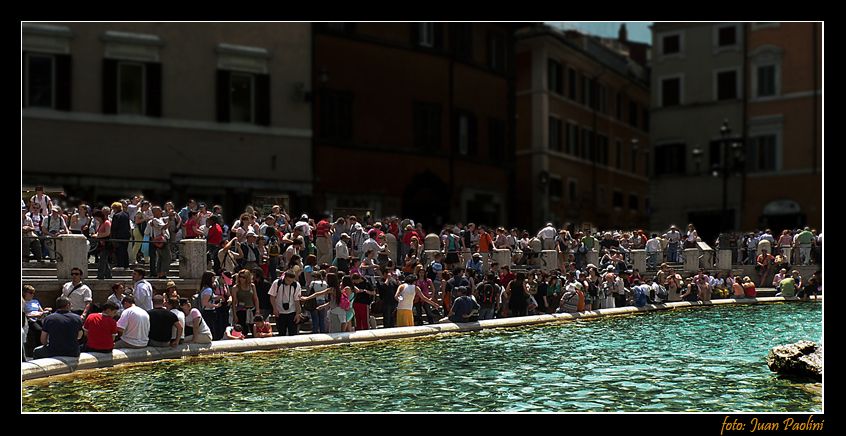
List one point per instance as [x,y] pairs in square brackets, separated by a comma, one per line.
[728,162]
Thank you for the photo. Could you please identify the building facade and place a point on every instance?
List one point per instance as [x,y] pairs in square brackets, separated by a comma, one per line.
[216,111]
[733,122]
[414,119]
[583,121]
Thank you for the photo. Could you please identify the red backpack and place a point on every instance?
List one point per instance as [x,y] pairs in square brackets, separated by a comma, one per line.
[345,301]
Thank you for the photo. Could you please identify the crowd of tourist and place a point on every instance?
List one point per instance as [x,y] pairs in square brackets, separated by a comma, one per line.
[336,276]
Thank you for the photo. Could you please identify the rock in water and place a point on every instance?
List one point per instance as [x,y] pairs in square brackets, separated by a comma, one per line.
[803,358]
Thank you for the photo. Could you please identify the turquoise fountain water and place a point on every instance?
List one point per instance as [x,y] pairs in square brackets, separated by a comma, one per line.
[710,359]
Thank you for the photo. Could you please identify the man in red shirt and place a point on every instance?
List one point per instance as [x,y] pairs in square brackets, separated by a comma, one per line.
[323,234]
[485,240]
[214,241]
[101,329]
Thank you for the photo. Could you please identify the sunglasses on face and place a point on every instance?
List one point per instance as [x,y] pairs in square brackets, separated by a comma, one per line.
[76,274]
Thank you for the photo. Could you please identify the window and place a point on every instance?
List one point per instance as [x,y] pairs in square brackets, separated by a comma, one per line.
[571,83]
[132,88]
[556,188]
[571,187]
[727,36]
[496,51]
[671,44]
[336,117]
[620,106]
[633,202]
[645,119]
[603,99]
[763,153]
[619,146]
[766,81]
[617,199]
[46,81]
[586,83]
[241,97]
[671,92]
[426,37]
[670,159]
[554,134]
[555,77]
[40,80]
[587,145]
[727,85]
[634,160]
[572,139]
[340,27]
[427,125]
[633,113]
[463,41]
[496,133]
[465,128]
[602,150]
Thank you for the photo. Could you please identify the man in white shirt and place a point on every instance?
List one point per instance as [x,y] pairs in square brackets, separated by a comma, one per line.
[285,295]
[547,237]
[371,244]
[133,325]
[653,248]
[42,200]
[142,290]
[342,253]
[673,236]
[78,293]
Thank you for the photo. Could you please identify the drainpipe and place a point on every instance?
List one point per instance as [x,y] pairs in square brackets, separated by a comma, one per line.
[816,96]
[744,131]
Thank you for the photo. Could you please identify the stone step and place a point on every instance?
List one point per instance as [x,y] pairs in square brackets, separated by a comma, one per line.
[45,272]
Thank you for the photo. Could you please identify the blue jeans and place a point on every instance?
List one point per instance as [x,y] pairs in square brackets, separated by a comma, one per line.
[318,321]
[673,252]
[652,259]
[486,313]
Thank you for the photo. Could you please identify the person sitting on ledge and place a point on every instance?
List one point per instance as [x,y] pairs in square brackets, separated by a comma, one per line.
[234,332]
[261,328]
[465,308]
[61,333]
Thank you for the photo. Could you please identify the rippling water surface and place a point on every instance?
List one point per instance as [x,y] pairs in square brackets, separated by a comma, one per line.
[710,359]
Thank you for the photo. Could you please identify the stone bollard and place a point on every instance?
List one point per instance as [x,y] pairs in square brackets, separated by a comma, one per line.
[429,255]
[192,258]
[549,260]
[391,241]
[502,256]
[486,264]
[593,257]
[691,259]
[534,257]
[639,260]
[71,252]
[724,260]
[431,242]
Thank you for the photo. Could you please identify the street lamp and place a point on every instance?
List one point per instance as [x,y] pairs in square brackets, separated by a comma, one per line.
[729,162]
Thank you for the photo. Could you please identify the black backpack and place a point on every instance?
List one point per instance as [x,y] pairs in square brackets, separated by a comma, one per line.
[487,295]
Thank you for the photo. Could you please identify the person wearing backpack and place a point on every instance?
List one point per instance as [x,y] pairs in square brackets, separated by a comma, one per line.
[313,306]
[489,292]
[464,307]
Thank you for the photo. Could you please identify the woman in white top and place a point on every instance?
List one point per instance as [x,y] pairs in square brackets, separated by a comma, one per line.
[692,236]
[405,295]
[80,221]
